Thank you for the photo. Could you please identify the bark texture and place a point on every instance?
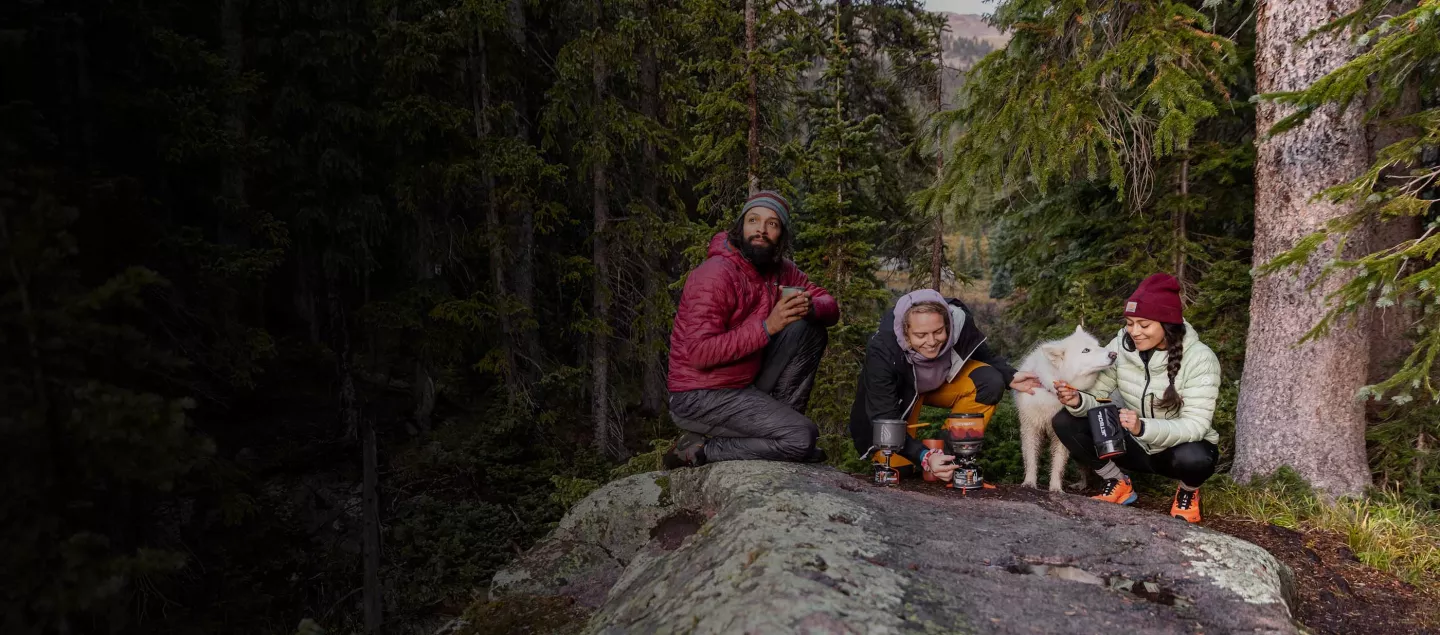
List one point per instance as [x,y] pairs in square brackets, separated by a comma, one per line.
[523,280]
[753,97]
[605,439]
[1297,403]
[653,344]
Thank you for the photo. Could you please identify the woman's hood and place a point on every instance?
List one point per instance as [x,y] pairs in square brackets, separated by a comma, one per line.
[954,321]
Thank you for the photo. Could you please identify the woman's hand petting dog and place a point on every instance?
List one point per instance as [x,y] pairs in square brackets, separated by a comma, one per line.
[942,465]
[1067,395]
[1025,382]
[1130,420]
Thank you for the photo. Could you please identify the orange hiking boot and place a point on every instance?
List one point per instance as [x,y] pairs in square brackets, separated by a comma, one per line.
[1117,490]
[1186,505]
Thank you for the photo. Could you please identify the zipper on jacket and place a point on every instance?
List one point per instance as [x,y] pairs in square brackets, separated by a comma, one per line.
[966,358]
[914,381]
[1146,391]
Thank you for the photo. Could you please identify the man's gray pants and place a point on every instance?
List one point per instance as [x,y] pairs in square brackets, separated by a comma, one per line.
[765,420]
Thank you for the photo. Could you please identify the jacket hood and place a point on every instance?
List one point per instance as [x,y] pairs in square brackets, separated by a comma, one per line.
[720,246]
[954,322]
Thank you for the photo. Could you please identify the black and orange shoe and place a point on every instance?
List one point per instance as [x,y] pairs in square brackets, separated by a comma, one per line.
[1186,505]
[688,451]
[1118,491]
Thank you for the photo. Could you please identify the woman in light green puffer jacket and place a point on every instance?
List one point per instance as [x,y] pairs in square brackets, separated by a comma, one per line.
[1168,381]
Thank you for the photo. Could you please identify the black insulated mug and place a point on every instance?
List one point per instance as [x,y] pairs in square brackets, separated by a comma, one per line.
[1105,430]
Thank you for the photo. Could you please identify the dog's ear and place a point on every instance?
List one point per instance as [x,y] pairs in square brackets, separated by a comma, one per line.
[1079,328]
[1056,354]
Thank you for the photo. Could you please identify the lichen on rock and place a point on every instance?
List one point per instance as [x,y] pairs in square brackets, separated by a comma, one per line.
[756,547]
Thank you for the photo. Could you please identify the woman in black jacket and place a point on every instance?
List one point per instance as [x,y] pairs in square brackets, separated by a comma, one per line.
[927,350]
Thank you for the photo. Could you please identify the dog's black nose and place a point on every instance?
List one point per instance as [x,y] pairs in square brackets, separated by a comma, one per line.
[1112,356]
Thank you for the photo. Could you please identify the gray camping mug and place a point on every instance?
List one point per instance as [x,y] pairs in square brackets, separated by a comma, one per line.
[888,434]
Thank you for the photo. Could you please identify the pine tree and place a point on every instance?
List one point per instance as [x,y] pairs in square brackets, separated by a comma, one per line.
[854,162]
[719,71]
[1351,203]
[1126,86]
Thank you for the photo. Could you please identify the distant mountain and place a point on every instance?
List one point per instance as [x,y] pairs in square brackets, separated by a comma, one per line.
[974,27]
[967,38]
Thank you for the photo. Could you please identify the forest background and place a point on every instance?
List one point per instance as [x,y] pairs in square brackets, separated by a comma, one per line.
[310,305]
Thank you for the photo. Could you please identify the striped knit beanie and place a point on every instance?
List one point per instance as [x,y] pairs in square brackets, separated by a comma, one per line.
[772,201]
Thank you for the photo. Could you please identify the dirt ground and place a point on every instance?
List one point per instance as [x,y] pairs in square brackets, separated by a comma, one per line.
[1337,594]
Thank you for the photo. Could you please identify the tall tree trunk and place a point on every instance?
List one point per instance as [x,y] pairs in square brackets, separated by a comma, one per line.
[752,97]
[494,230]
[422,390]
[54,456]
[1297,404]
[981,245]
[937,252]
[306,298]
[370,509]
[358,425]
[232,176]
[605,440]
[652,381]
[523,279]
[1179,221]
[842,36]
[84,93]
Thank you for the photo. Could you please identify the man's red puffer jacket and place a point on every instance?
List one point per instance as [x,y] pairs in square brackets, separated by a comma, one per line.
[719,336]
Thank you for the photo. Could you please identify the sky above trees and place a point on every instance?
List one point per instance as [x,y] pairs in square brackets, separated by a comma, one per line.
[978,7]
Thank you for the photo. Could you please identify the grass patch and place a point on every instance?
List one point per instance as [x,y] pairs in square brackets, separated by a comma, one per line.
[645,461]
[840,453]
[1384,531]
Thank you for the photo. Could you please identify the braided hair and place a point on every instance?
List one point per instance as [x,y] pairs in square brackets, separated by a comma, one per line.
[1175,351]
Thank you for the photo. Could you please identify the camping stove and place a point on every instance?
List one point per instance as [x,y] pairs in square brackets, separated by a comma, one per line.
[964,438]
[889,437]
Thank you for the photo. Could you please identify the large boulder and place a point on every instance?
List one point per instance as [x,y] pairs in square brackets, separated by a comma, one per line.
[756,547]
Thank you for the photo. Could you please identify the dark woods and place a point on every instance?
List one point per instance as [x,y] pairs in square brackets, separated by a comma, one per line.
[319,309]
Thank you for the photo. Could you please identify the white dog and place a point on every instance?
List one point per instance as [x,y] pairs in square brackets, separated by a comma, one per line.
[1076,360]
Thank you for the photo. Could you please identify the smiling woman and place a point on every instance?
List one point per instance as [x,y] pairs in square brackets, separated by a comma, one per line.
[925,328]
[928,351]
[1169,381]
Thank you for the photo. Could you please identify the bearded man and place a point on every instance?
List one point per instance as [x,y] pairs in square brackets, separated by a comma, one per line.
[747,340]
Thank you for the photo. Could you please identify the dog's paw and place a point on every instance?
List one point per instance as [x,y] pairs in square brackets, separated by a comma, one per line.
[1055,487]
[1029,484]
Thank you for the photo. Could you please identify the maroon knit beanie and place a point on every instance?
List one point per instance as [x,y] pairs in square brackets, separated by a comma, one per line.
[1158,298]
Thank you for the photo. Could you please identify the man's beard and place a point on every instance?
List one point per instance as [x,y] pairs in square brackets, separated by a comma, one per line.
[763,256]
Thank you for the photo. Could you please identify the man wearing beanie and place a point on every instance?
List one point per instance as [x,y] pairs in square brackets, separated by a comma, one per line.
[747,340]
[1168,381]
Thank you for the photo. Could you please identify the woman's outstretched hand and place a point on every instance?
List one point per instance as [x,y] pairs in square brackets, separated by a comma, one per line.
[1025,382]
[1067,394]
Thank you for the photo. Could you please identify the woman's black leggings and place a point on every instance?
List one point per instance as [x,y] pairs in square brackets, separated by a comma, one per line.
[1190,463]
